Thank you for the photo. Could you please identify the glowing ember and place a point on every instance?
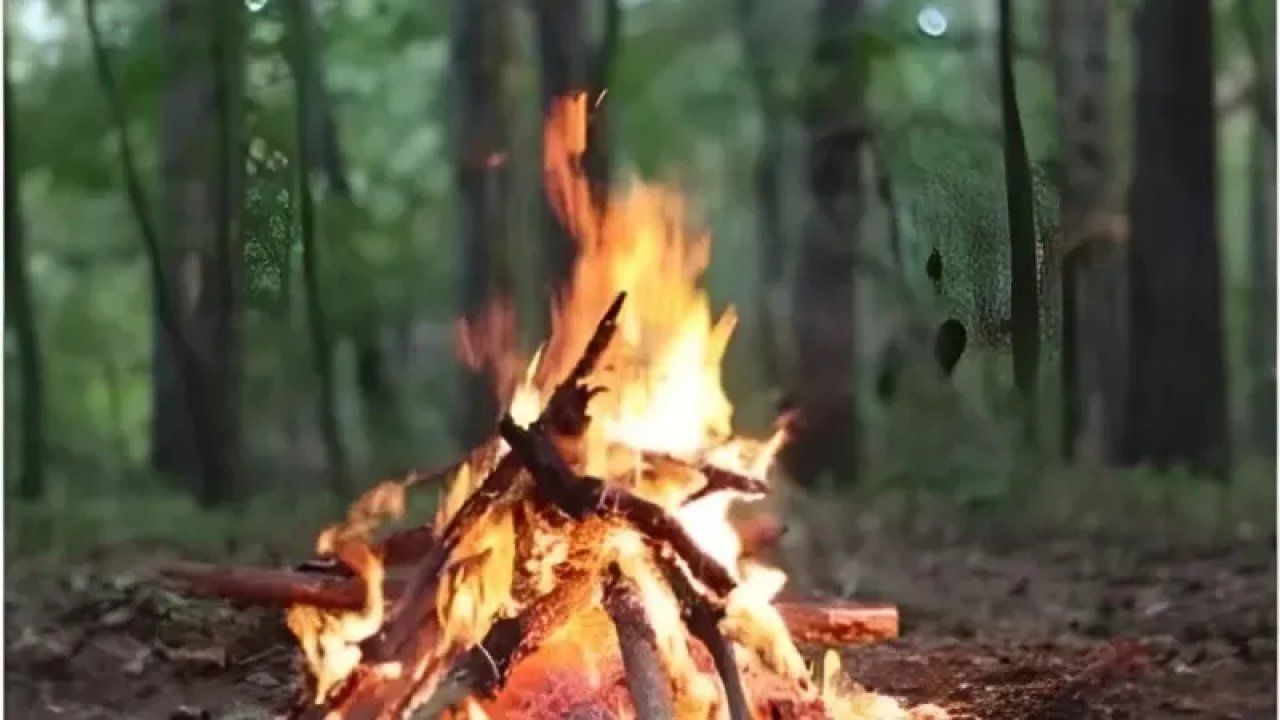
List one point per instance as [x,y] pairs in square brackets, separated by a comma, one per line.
[659,432]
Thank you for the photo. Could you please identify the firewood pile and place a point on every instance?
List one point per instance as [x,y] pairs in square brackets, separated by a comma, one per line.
[585,562]
[380,645]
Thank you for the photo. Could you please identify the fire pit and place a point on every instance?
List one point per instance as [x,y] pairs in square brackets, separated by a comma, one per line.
[593,559]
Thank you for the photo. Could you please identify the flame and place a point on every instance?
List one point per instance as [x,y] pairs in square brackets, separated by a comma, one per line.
[663,398]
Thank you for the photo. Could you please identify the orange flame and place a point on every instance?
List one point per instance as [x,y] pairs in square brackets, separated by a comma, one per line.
[663,397]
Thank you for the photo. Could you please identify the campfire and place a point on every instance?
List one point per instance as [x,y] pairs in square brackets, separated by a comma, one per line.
[603,554]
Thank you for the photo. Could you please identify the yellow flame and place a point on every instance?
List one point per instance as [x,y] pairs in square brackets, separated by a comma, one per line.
[663,397]
[330,639]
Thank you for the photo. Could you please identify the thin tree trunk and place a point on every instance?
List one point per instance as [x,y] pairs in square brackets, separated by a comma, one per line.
[202,166]
[223,479]
[1177,380]
[1091,244]
[1262,291]
[198,300]
[482,51]
[300,54]
[21,314]
[1257,25]
[1023,285]
[569,63]
[827,434]
[562,54]
[322,123]
[755,35]
[597,161]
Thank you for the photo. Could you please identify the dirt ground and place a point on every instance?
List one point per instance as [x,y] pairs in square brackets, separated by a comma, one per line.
[1065,627]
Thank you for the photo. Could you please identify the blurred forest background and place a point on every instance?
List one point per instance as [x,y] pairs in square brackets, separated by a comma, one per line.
[238,236]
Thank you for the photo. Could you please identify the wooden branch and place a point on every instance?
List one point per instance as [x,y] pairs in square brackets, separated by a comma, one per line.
[483,669]
[638,645]
[580,496]
[399,548]
[702,618]
[263,586]
[810,622]
[722,480]
[839,623]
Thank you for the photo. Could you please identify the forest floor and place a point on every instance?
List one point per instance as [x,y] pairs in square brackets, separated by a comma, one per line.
[1090,623]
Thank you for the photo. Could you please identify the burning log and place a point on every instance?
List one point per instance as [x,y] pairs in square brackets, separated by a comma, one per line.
[481,670]
[702,617]
[839,623]
[826,624]
[639,647]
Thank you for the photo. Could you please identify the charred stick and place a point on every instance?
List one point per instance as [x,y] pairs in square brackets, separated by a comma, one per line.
[702,617]
[566,410]
[638,646]
[716,479]
[483,669]
[581,496]
[722,480]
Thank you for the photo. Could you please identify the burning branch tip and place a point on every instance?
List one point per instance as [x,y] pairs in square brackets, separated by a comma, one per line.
[600,339]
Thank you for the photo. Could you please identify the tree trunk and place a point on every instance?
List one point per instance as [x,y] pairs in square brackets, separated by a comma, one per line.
[1258,26]
[322,125]
[307,140]
[202,168]
[21,315]
[1024,310]
[1177,387]
[755,36]
[826,439]
[570,64]
[482,51]
[1091,239]
[1262,291]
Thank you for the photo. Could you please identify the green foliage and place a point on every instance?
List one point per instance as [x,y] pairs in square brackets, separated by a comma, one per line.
[684,107]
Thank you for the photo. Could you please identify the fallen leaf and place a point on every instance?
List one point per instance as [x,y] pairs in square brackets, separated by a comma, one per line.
[138,663]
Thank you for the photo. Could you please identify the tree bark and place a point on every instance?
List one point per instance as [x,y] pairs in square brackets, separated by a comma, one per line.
[1177,388]
[482,51]
[202,167]
[197,276]
[307,140]
[570,63]
[21,317]
[1262,291]
[822,312]
[1023,286]
[322,124]
[768,183]
[1091,241]
[1257,25]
